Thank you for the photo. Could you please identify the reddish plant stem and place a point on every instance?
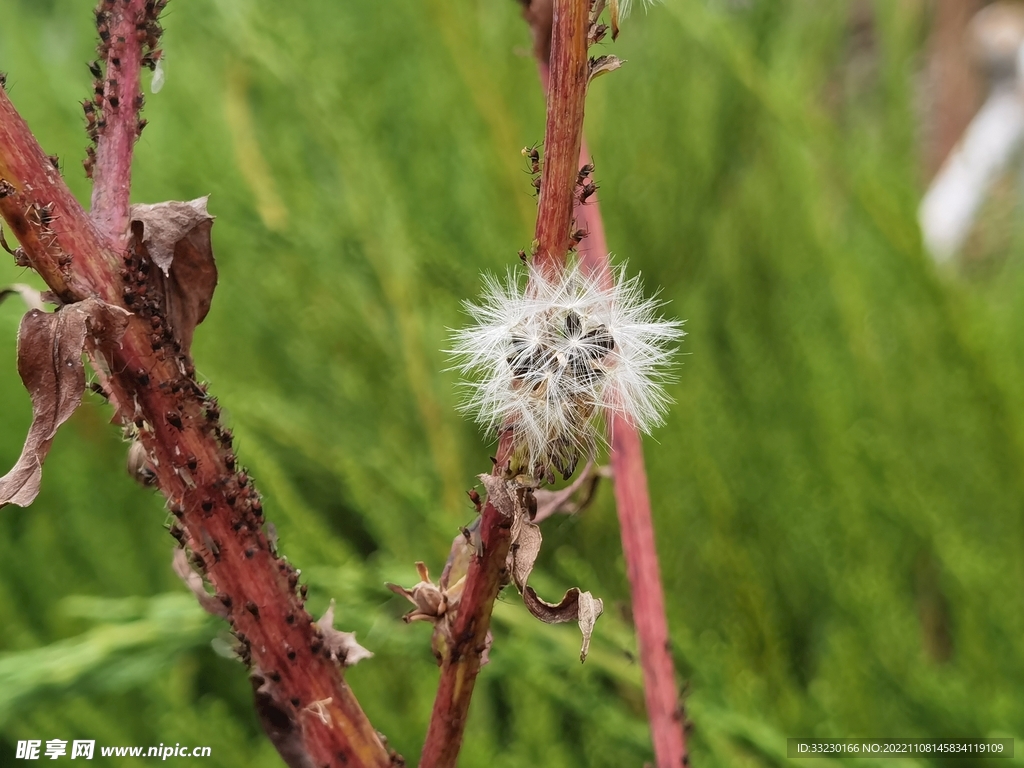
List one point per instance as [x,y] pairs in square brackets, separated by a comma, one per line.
[305,705]
[122,28]
[633,506]
[664,707]
[487,574]
[563,133]
[461,663]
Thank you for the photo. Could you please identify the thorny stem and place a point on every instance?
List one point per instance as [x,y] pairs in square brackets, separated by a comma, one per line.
[122,28]
[307,709]
[562,137]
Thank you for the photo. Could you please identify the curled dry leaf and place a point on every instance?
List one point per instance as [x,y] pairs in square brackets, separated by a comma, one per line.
[499,495]
[194,582]
[602,65]
[576,605]
[342,645]
[50,347]
[176,236]
[573,498]
[465,547]
[581,607]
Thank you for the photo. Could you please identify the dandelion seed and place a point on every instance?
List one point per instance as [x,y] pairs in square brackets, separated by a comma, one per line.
[624,6]
[553,360]
[159,76]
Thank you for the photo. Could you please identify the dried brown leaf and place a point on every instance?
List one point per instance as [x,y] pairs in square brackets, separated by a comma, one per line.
[342,645]
[465,547]
[177,238]
[573,498]
[602,65]
[50,347]
[576,605]
[500,494]
[524,551]
[581,607]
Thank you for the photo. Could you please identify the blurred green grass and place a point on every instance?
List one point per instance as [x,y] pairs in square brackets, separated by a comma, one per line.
[838,491]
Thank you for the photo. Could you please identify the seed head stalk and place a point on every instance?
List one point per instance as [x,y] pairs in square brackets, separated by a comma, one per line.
[562,137]
[665,710]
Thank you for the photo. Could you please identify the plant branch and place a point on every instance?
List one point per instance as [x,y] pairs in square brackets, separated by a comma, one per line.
[563,133]
[124,28]
[307,709]
[461,663]
[488,573]
[633,504]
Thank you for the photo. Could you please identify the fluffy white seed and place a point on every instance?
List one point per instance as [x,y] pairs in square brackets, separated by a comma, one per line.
[626,5]
[554,359]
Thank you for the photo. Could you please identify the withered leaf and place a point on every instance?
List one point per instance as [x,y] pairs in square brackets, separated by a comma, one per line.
[50,347]
[465,547]
[499,494]
[194,582]
[602,65]
[576,605]
[342,645]
[526,543]
[573,498]
[581,607]
[430,601]
[177,238]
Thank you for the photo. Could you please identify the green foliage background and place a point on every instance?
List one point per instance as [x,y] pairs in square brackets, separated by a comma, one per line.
[838,491]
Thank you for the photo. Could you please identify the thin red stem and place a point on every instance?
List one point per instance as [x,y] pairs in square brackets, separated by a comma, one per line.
[122,28]
[562,137]
[461,663]
[633,505]
[563,133]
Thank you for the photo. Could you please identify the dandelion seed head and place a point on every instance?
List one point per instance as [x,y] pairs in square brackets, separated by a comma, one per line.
[554,359]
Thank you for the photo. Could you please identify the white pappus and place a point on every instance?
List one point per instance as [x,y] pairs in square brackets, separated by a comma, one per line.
[552,360]
[623,7]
